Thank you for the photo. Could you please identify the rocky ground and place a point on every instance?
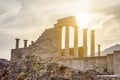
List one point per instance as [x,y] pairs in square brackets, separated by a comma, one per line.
[32,70]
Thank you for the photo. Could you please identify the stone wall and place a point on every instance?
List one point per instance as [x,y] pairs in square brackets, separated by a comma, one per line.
[47,44]
[110,63]
[84,64]
[116,62]
[20,53]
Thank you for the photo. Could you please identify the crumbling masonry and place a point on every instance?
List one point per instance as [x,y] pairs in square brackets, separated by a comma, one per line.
[49,46]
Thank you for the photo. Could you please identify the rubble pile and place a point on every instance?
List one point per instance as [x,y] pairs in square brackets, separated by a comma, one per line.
[4,69]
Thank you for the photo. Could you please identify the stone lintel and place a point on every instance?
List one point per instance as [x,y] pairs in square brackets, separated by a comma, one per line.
[66,19]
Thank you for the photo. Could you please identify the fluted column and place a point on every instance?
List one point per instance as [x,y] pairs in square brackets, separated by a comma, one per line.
[76,41]
[92,43]
[99,50]
[67,41]
[25,43]
[17,43]
[84,42]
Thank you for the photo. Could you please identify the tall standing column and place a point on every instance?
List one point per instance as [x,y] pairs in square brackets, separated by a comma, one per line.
[60,40]
[99,49]
[76,41]
[17,43]
[25,43]
[92,43]
[84,42]
[67,41]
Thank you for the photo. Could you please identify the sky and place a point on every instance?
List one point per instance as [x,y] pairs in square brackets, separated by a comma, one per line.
[27,19]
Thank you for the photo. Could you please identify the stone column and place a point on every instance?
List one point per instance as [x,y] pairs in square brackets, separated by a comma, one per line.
[17,43]
[58,27]
[76,41]
[92,43]
[84,42]
[99,50]
[67,41]
[25,43]
[60,40]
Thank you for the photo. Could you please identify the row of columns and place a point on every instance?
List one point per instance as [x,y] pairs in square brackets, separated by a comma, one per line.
[67,40]
[92,44]
[25,43]
[76,42]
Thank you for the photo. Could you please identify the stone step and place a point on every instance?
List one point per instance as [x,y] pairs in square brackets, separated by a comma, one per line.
[43,37]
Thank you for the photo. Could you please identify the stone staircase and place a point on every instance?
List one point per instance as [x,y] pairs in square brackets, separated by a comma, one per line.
[47,43]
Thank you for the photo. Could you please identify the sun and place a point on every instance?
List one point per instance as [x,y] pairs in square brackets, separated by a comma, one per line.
[84,20]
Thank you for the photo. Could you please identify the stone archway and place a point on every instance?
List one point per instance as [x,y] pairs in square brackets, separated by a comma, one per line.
[67,22]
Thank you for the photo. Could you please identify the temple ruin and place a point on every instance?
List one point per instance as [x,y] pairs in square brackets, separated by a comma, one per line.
[49,45]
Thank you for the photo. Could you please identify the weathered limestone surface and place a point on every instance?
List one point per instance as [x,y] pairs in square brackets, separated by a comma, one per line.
[47,44]
[84,64]
[116,62]
[85,42]
[20,53]
[110,63]
[47,49]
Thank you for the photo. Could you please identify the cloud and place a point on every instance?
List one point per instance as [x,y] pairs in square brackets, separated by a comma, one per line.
[31,17]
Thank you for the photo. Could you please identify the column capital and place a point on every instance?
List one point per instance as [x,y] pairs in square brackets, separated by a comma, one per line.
[17,39]
[25,40]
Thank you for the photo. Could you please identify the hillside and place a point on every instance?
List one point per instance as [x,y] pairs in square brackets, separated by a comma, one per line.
[111,49]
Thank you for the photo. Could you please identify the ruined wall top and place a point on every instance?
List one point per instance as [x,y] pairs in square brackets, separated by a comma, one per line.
[67,21]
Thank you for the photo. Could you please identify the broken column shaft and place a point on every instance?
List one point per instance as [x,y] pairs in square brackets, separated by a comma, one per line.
[17,43]
[25,43]
[99,50]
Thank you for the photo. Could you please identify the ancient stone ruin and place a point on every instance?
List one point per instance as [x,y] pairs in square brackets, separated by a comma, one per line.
[48,48]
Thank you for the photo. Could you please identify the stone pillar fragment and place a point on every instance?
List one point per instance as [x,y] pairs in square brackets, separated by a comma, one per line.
[99,50]
[25,43]
[76,41]
[67,41]
[92,43]
[17,43]
[84,42]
